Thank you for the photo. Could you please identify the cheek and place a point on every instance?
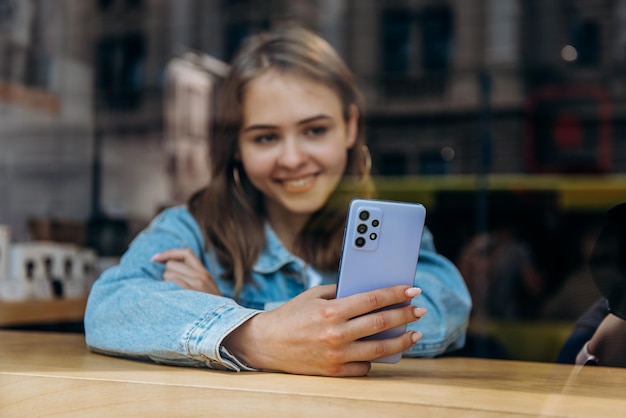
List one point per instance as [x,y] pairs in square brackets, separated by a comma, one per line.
[337,160]
[256,166]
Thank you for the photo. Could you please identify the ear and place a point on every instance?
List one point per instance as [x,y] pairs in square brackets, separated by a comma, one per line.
[352,128]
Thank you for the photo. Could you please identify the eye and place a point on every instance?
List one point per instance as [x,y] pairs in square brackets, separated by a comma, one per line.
[262,139]
[316,130]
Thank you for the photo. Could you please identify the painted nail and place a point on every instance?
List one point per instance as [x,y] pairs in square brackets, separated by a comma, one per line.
[413,291]
[419,312]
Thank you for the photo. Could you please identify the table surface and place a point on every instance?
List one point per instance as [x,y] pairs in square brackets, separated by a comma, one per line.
[52,373]
[41,311]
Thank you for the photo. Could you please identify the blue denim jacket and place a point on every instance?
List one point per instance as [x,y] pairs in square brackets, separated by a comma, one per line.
[132,312]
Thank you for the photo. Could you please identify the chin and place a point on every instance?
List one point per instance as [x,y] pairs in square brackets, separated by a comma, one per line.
[304,211]
[304,208]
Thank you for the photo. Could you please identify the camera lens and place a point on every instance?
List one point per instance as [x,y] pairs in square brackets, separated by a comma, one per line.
[364,215]
[375,223]
[361,229]
[373,236]
[359,242]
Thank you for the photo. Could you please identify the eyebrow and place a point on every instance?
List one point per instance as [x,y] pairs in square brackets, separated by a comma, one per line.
[302,122]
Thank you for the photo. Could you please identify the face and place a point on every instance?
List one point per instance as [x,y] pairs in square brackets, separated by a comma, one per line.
[293,142]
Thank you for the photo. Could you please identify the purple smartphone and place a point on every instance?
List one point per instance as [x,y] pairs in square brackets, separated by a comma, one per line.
[381,244]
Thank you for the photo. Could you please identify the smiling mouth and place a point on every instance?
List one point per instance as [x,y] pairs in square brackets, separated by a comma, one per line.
[299,185]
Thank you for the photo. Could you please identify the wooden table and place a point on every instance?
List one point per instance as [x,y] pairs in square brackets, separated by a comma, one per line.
[44,374]
[41,311]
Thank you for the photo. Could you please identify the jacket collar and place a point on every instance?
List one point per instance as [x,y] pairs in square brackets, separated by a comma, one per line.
[274,255]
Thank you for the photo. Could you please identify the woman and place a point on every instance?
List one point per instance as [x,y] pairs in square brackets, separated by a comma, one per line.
[243,277]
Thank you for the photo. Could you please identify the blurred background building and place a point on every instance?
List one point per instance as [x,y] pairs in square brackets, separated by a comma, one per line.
[503,117]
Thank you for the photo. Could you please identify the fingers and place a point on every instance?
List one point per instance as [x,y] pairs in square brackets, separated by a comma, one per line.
[352,369]
[202,283]
[373,323]
[178,254]
[171,275]
[363,303]
[355,360]
[378,311]
[184,268]
[178,280]
[374,349]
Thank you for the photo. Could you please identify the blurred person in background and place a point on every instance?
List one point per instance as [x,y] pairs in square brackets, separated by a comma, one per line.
[578,291]
[501,274]
[599,336]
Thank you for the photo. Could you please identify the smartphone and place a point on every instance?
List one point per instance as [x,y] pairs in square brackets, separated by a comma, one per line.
[381,245]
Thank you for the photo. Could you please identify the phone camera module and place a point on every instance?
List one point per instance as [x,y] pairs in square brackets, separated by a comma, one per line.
[364,215]
[373,236]
[361,229]
[375,223]
[359,242]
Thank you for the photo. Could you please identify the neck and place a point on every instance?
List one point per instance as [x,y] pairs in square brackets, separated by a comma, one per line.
[287,227]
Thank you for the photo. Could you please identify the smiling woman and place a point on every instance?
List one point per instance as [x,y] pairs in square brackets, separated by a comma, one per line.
[243,277]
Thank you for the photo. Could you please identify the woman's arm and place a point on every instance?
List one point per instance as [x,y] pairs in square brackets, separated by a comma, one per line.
[132,312]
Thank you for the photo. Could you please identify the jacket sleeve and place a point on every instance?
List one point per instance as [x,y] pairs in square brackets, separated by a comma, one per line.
[447,300]
[132,312]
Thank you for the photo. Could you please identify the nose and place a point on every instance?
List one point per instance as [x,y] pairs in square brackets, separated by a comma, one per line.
[292,153]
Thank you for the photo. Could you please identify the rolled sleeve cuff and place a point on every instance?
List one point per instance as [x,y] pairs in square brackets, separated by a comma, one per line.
[233,363]
[204,341]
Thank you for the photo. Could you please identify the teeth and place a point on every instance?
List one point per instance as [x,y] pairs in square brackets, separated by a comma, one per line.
[298,182]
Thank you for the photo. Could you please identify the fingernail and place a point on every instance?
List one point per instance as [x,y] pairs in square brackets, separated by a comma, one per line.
[416,336]
[419,312]
[412,292]
[155,257]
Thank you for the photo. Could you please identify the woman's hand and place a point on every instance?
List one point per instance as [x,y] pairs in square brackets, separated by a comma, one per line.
[185,269]
[316,334]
